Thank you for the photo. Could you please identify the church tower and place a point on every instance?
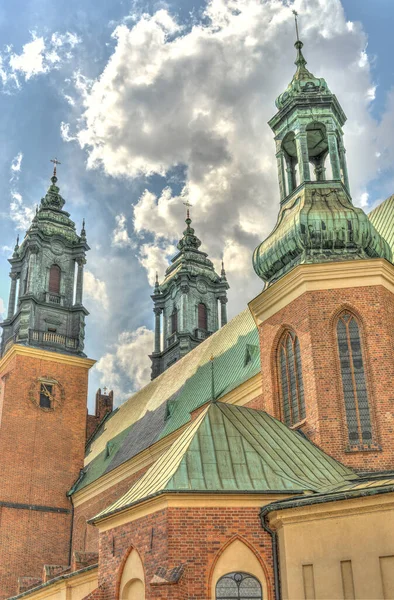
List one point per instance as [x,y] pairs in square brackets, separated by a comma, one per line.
[43,393]
[325,315]
[186,303]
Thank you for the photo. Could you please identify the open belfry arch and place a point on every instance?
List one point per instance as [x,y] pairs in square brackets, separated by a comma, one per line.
[258,464]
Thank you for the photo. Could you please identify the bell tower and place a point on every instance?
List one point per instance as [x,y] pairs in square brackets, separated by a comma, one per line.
[324,315]
[43,394]
[45,308]
[186,303]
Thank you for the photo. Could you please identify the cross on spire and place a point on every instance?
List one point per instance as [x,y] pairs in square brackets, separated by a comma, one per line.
[55,162]
[188,205]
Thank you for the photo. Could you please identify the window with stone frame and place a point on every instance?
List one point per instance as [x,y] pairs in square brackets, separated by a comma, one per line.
[54,279]
[291,384]
[174,321]
[238,586]
[354,384]
[202,317]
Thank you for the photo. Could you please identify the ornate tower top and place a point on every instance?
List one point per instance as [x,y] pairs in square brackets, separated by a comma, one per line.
[317,221]
[186,301]
[45,306]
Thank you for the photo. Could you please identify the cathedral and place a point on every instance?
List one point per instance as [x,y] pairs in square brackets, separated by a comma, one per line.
[258,463]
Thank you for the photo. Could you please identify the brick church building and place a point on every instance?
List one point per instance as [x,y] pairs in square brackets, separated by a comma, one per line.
[259,461]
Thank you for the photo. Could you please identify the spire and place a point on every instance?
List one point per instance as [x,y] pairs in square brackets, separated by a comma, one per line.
[302,72]
[53,198]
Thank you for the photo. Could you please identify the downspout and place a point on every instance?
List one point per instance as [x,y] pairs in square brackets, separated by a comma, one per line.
[71,532]
[275,554]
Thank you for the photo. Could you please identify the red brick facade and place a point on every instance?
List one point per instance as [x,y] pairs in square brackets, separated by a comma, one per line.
[313,317]
[193,537]
[41,454]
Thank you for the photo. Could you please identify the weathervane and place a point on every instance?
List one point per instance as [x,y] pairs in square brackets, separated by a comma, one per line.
[188,205]
[295,13]
[56,162]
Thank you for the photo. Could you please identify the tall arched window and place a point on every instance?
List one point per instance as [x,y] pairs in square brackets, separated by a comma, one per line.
[54,279]
[174,321]
[202,316]
[290,376]
[354,385]
[238,586]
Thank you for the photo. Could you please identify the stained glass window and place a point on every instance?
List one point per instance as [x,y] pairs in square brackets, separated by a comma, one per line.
[238,586]
[291,383]
[354,384]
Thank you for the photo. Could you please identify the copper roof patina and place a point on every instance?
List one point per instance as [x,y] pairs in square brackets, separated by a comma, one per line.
[165,404]
[231,448]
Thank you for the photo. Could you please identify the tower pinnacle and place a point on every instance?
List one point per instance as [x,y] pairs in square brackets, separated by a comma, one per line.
[55,162]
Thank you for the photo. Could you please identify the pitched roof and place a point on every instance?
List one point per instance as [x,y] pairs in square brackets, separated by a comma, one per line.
[231,448]
[165,403]
[382,218]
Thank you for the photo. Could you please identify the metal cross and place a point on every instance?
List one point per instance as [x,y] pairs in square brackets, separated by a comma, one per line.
[188,205]
[55,161]
[295,13]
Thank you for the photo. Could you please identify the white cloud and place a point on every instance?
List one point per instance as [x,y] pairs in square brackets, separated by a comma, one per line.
[95,290]
[200,99]
[65,132]
[16,164]
[39,56]
[155,258]
[20,214]
[130,357]
[121,238]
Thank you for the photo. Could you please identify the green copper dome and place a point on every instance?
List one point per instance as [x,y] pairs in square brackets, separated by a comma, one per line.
[317,221]
[318,224]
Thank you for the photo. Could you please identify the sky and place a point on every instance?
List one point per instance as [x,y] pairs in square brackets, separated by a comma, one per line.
[149,104]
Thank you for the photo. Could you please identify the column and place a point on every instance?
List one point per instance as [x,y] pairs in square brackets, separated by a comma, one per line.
[11,302]
[291,184]
[79,291]
[334,155]
[223,310]
[157,312]
[303,156]
[281,173]
[345,174]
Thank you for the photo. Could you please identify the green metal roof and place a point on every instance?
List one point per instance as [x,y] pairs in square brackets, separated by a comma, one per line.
[382,218]
[236,449]
[165,403]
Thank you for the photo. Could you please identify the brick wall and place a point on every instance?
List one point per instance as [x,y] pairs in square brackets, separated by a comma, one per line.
[191,536]
[313,317]
[41,454]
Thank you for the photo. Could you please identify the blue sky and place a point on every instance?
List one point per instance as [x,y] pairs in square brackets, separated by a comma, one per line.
[149,103]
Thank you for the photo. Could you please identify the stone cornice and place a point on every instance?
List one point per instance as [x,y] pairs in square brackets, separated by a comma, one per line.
[187,500]
[321,276]
[331,510]
[57,357]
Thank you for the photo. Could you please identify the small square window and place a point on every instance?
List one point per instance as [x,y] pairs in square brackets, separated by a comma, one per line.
[46,395]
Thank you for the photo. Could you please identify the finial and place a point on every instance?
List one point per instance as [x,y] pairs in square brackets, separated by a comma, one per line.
[157,282]
[223,273]
[55,162]
[213,397]
[188,205]
[295,13]
[83,231]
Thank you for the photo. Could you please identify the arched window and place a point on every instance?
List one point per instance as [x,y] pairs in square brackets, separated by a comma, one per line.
[238,586]
[290,376]
[54,279]
[354,385]
[174,321]
[202,316]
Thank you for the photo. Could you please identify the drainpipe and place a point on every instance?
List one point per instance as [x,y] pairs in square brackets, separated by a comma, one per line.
[274,537]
